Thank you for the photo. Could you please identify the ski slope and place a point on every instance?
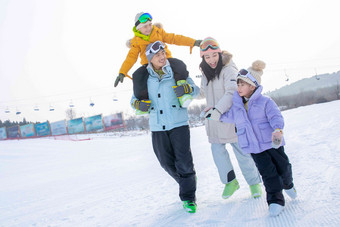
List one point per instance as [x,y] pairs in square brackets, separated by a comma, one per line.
[115,180]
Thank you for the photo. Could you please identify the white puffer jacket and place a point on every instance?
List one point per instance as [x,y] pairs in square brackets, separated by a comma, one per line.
[219,93]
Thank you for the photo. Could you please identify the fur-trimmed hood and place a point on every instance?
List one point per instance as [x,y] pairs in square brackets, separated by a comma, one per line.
[226,57]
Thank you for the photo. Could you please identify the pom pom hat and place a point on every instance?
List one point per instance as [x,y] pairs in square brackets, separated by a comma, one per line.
[209,45]
[253,74]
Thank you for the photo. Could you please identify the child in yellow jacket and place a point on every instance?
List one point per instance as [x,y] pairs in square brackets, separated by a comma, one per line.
[146,33]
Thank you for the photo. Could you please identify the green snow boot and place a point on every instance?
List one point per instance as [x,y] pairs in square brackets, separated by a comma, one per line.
[230,188]
[256,190]
[189,206]
[185,99]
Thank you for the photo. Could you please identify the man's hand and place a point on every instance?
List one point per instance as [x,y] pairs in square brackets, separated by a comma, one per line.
[182,89]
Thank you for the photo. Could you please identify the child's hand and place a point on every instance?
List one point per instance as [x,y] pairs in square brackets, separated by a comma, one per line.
[277,138]
[120,78]
[197,43]
[142,105]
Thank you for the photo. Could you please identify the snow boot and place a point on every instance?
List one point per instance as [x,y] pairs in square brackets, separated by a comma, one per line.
[291,192]
[230,188]
[185,99]
[256,190]
[189,206]
[275,209]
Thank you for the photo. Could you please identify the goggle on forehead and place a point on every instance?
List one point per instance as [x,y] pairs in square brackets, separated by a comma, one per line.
[143,18]
[209,43]
[246,74]
[156,46]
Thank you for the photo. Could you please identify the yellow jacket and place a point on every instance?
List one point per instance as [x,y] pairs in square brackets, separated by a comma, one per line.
[138,47]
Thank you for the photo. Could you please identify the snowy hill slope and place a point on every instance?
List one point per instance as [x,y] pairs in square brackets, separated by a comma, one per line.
[118,181]
[307,84]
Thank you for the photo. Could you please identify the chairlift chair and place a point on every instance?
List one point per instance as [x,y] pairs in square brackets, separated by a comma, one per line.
[71,104]
[287,78]
[7,110]
[36,108]
[114,98]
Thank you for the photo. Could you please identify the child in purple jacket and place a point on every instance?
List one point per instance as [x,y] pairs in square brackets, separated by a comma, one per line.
[259,125]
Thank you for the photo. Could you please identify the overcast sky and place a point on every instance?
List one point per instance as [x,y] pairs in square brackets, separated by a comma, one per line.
[54,52]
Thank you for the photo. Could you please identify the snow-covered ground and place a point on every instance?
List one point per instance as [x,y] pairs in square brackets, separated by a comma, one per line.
[118,181]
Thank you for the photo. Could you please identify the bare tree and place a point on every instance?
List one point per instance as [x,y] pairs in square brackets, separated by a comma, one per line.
[70,113]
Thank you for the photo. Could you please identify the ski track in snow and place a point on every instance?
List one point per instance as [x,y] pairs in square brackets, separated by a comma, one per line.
[119,182]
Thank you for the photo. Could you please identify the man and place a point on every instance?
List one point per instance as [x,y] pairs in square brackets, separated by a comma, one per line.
[169,122]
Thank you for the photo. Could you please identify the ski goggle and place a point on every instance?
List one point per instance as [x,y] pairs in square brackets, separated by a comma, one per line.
[155,47]
[143,19]
[209,43]
[245,74]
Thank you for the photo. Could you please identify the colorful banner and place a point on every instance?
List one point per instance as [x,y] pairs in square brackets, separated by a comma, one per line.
[75,126]
[94,123]
[3,135]
[13,132]
[27,130]
[43,129]
[58,128]
[113,121]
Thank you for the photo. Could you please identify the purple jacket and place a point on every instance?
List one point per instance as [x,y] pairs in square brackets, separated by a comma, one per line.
[254,129]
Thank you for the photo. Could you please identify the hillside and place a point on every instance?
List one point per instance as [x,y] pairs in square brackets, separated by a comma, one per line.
[308,84]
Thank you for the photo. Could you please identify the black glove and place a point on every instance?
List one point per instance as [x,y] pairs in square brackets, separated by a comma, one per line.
[182,89]
[197,43]
[119,78]
[142,105]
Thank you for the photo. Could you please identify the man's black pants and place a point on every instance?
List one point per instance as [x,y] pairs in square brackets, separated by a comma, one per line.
[173,152]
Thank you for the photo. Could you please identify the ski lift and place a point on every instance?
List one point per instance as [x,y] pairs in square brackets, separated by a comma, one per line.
[287,78]
[71,104]
[316,75]
[51,108]
[114,98]
[7,110]
[18,112]
[91,103]
[36,108]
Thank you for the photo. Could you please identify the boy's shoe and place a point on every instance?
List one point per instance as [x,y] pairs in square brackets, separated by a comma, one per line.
[230,188]
[189,206]
[185,99]
[256,190]
[291,192]
[141,113]
[275,209]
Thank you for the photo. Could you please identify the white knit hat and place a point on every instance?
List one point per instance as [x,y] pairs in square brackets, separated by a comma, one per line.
[256,70]
[140,24]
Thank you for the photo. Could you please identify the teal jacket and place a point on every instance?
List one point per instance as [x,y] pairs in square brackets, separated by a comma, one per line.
[165,110]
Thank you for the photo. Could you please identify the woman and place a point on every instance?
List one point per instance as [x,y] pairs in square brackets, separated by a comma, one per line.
[218,85]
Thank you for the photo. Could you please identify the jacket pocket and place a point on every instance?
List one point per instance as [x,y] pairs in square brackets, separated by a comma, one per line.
[266,132]
[178,114]
[153,118]
[243,141]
